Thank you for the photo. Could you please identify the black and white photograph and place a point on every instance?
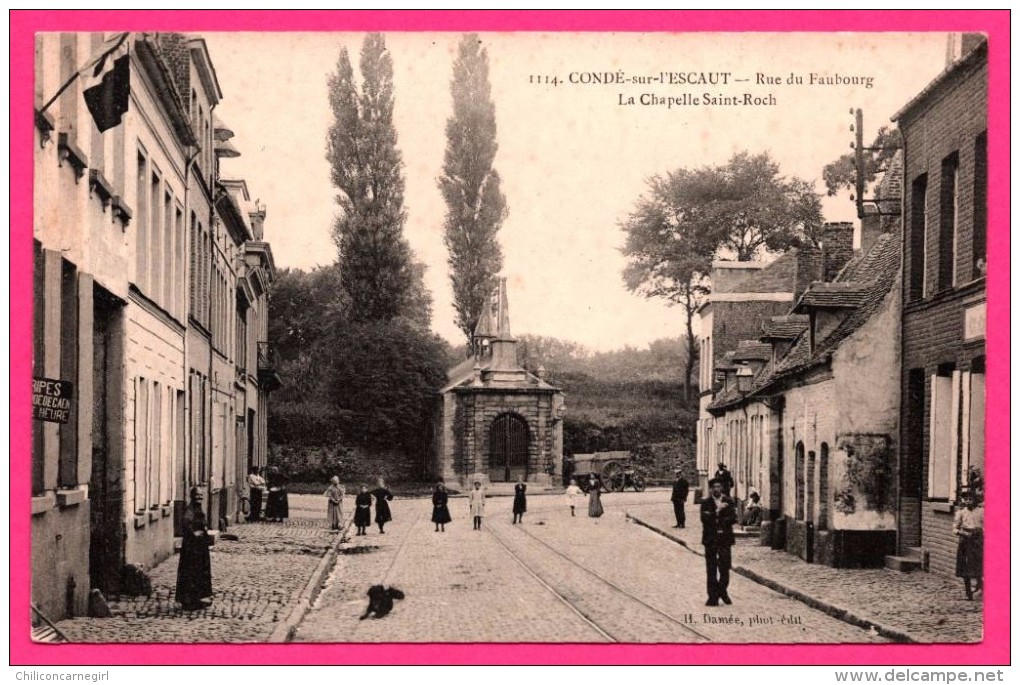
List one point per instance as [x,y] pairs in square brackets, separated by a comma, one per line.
[509,337]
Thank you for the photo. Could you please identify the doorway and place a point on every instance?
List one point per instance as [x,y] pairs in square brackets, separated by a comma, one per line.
[508,449]
[106,542]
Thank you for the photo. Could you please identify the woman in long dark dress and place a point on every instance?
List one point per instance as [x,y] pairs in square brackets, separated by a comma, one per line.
[277,506]
[595,497]
[440,510]
[362,510]
[382,508]
[194,572]
[520,500]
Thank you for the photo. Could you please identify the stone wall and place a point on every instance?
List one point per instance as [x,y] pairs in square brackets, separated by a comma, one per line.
[473,417]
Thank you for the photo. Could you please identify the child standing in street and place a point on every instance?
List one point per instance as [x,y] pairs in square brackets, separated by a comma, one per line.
[476,499]
[362,510]
[440,510]
[572,494]
[520,500]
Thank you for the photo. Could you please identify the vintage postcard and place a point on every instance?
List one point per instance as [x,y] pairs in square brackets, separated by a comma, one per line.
[466,331]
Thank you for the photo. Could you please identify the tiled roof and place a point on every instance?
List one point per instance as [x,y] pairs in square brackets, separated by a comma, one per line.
[878,269]
[725,398]
[872,276]
[727,361]
[752,350]
[463,374]
[975,56]
[786,327]
[836,295]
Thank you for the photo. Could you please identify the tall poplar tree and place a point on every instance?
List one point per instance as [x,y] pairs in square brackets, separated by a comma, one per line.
[475,206]
[377,268]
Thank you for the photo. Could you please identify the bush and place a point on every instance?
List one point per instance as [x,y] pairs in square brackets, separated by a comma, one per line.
[353,465]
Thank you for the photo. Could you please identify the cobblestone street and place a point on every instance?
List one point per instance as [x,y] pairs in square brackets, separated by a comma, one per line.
[924,607]
[256,580]
[552,579]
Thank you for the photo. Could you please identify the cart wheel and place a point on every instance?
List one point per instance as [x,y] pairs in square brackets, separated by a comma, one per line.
[613,476]
[639,484]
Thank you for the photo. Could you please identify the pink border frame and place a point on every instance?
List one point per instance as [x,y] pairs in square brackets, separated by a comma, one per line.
[994,649]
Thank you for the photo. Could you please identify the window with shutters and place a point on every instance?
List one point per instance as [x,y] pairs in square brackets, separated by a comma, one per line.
[142,223]
[167,258]
[943,433]
[141,443]
[949,223]
[154,279]
[193,252]
[980,240]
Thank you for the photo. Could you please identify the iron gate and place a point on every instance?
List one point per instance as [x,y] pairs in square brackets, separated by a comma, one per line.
[508,448]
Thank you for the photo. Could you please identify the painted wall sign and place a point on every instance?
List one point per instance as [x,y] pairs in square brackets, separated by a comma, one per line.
[974,322]
[51,400]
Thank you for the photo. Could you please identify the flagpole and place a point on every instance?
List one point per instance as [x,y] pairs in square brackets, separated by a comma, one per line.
[77,74]
[60,92]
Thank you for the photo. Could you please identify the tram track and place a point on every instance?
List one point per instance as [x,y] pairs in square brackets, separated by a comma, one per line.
[581,607]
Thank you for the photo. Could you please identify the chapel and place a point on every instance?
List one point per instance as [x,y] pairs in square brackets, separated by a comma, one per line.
[497,421]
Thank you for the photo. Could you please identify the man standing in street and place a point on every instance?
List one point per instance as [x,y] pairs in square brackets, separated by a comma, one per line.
[725,477]
[680,489]
[717,518]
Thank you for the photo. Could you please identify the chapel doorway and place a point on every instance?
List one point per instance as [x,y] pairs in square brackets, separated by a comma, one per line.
[508,449]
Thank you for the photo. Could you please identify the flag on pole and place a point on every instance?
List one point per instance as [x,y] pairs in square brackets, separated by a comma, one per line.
[106,82]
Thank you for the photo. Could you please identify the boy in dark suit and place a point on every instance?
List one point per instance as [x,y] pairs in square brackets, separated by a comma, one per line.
[725,477]
[718,515]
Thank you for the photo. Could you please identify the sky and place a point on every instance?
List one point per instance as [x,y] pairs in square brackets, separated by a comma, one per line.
[573,157]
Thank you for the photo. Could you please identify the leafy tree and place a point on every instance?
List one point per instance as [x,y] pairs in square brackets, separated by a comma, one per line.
[305,307]
[475,206]
[384,377]
[689,217]
[841,174]
[377,268]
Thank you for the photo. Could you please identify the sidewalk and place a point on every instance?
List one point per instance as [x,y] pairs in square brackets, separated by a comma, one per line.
[262,584]
[906,607]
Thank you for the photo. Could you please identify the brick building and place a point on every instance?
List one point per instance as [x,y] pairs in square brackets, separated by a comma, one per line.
[945,147]
[744,298]
[123,232]
[813,418]
[497,421]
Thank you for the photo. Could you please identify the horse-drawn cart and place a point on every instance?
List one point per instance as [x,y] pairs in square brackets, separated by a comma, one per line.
[616,470]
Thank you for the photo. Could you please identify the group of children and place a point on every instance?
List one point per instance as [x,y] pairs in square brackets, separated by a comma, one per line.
[381,497]
[476,504]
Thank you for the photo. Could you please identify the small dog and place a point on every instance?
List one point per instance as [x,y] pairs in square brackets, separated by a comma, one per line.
[380,601]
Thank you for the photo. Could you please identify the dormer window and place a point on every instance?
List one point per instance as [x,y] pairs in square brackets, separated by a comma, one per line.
[781,331]
[827,305]
[745,377]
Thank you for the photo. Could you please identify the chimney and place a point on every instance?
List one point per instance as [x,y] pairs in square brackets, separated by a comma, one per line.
[809,269]
[872,226]
[959,45]
[257,218]
[837,247]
